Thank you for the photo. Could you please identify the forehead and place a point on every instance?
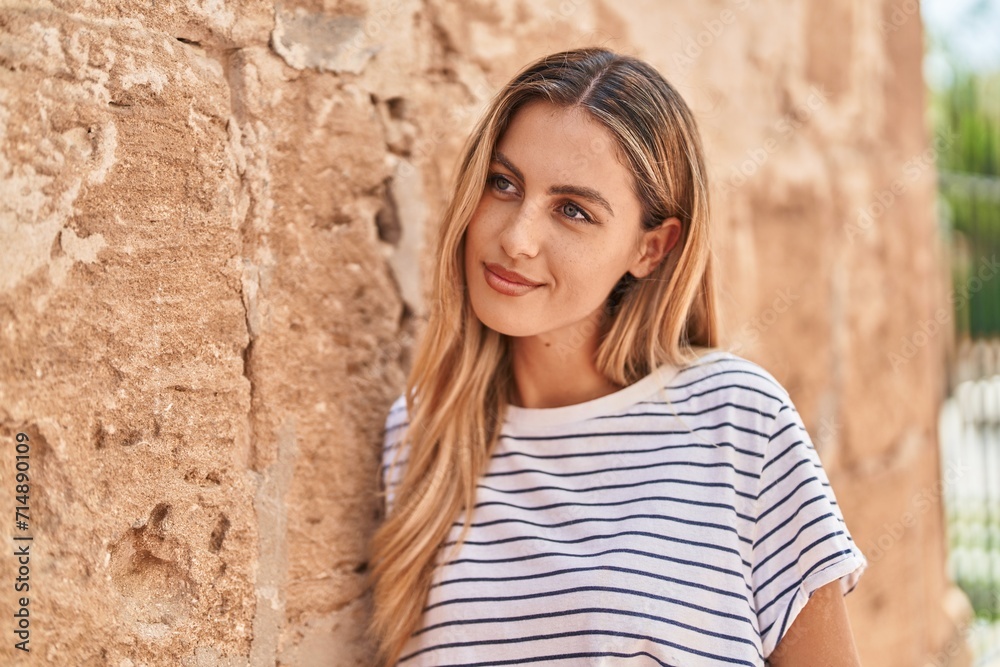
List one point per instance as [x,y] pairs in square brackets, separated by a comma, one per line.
[566,146]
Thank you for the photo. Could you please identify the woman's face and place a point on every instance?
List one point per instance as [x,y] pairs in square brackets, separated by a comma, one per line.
[560,210]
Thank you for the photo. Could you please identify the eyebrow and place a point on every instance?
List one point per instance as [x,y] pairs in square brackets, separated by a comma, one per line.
[578,190]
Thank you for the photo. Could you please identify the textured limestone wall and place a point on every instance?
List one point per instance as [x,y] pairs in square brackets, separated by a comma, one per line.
[214,223]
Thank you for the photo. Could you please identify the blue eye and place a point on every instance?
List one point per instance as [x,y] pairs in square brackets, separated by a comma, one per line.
[569,209]
[498,180]
[570,206]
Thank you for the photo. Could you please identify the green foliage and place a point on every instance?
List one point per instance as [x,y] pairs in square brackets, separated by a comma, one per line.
[968,113]
[969,109]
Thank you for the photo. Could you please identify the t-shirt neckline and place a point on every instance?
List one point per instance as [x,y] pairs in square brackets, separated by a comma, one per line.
[604,405]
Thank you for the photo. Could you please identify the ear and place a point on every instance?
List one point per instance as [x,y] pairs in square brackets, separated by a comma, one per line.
[654,246]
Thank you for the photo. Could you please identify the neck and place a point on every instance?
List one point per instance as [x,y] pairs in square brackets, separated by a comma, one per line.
[557,368]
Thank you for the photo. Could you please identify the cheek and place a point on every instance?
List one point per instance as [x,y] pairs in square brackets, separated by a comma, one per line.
[586,261]
[484,230]
[591,271]
[479,225]
[474,249]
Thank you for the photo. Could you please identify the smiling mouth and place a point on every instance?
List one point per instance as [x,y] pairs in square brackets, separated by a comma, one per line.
[506,287]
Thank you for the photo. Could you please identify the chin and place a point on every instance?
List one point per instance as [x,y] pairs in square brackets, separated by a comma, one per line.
[507,320]
[509,324]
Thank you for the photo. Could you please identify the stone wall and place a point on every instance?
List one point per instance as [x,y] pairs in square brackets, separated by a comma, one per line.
[216,218]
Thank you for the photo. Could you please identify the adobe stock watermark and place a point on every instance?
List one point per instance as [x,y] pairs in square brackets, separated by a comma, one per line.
[826,433]
[927,329]
[883,200]
[752,330]
[582,333]
[922,501]
[566,9]
[756,157]
[375,23]
[900,14]
[959,642]
[711,30]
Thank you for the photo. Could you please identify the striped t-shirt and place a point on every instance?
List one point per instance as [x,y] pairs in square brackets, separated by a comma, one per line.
[683,520]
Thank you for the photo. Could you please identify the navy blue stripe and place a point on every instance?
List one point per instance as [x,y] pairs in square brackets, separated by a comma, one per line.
[610,504]
[613,568]
[796,585]
[588,538]
[579,589]
[387,428]
[803,577]
[687,522]
[785,499]
[708,359]
[586,610]
[783,429]
[778,457]
[781,550]
[559,656]
[620,486]
[614,452]
[784,621]
[698,394]
[611,452]
[398,464]
[401,463]
[608,610]
[610,434]
[782,478]
[637,552]
[600,471]
[786,522]
[721,372]
[691,413]
[574,436]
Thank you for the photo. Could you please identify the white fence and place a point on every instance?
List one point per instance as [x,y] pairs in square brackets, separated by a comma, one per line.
[970,442]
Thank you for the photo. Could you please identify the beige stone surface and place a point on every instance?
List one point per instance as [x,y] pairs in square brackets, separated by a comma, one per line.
[216,220]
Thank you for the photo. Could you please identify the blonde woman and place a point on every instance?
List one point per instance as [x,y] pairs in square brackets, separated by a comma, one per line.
[576,473]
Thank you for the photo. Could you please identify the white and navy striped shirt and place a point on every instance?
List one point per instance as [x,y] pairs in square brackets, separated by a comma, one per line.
[684,520]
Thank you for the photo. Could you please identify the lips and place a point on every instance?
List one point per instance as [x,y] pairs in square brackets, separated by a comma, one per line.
[511,276]
[508,283]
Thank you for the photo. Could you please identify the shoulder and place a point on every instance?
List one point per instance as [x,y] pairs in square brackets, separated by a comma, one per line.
[726,374]
[396,415]
[396,421]
[394,453]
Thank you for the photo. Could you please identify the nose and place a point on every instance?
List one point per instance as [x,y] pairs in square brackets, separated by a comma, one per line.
[521,235]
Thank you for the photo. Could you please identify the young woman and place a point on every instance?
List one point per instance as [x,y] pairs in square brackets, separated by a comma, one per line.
[576,474]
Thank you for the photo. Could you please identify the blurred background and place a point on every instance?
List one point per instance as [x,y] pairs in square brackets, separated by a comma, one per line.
[217,226]
[962,71]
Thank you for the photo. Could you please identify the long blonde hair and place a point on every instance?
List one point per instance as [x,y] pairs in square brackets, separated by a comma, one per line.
[461,378]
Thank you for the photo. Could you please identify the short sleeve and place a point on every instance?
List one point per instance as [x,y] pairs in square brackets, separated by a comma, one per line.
[801,542]
[392,465]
